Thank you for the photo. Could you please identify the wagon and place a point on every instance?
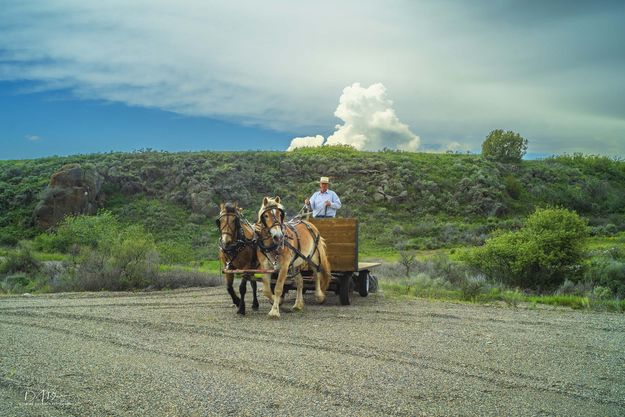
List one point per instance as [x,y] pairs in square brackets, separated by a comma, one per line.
[348,274]
[341,236]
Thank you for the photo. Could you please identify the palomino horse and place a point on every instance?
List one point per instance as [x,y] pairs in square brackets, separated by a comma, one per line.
[286,247]
[237,250]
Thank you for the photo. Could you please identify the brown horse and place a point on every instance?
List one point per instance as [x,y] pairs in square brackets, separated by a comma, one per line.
[287,247]
[237,250]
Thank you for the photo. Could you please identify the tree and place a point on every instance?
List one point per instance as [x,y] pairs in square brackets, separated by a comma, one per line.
[504,146]
[408,261]
[545,252]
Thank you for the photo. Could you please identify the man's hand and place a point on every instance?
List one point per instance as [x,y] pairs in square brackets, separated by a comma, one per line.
[328,203]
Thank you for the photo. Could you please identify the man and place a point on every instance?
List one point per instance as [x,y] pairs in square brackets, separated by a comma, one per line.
[323,203]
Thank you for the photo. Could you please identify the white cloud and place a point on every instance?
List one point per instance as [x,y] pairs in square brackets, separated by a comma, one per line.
[369,123]
[451,147]
[308,141]
[33,138]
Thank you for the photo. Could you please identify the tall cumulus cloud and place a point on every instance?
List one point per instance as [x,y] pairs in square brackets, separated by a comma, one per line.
[369,123]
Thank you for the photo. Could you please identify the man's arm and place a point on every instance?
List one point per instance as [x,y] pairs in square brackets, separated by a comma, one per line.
[336,201]
[311,201]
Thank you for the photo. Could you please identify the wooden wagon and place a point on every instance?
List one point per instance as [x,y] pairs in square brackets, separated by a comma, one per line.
[341,236]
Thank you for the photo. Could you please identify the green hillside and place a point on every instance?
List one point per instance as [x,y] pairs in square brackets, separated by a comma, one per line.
[403,200]
[473,223]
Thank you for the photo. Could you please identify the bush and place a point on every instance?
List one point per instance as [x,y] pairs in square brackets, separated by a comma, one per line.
[107,255]
[83,231]
[20,260]
[540,255]
[504,146]
[607,272]
[15,283]
[183,277]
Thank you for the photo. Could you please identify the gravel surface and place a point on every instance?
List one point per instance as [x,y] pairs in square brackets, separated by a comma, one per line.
[187,353]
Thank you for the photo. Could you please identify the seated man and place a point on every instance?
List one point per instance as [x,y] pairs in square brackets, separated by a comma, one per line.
[325,202]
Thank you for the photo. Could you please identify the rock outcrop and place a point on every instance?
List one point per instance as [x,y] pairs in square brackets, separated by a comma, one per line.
[72,190]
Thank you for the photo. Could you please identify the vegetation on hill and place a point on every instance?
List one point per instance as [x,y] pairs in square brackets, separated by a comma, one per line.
[404,201]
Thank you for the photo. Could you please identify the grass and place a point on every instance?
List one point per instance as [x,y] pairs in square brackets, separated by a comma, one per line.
[209,266]
[605,242]
[45,256]
[431,290]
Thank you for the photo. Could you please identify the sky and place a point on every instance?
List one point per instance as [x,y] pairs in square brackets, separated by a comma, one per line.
[82,76]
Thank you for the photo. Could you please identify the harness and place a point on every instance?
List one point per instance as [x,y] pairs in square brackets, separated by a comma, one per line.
[240,241]
[272,249]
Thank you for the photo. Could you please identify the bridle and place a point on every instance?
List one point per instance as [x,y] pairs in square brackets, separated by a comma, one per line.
[239,240]
[226,229]
[275,223]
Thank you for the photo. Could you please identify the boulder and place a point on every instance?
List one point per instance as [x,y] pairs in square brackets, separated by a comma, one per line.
[72,190]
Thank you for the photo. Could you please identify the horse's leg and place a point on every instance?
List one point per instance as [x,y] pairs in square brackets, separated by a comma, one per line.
[299,299]
[324,276]
[277,291]
[242,291]
[255,300]
[267,287]
[229,282]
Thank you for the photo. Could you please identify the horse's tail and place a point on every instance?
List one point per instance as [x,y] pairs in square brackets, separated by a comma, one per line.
[326,272]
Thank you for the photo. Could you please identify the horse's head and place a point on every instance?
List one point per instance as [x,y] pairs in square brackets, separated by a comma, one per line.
[271,216]
[228,222]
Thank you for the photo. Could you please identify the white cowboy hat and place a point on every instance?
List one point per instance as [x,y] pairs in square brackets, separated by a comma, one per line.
[324,180]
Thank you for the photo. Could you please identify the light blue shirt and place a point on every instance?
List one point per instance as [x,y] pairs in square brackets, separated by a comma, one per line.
[317,203]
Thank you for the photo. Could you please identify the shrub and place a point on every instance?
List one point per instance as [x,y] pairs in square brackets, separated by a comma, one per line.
[608,273]
[504,146]
[20,260]
[81,230]
[106,254]
[183,277]
[15,283]
[514,188]
[408,261]
[540,255]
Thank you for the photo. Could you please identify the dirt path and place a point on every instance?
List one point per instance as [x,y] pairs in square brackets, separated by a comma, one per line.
[187,353]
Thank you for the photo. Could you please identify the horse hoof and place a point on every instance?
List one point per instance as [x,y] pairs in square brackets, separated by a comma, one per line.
[241,312]
[236,301]
[321,299]
[298,308]
[255,306]
[274,314]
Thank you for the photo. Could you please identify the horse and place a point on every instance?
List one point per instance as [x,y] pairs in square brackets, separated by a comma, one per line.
[237,250]
[287,247]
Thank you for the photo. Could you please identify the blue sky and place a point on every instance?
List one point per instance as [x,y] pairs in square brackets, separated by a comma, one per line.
[78,77]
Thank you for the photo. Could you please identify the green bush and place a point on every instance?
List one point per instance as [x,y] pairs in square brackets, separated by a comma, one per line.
[608,272]
[107,254]
[15,283]
[83,231]
[504,146]
[20,260]
[540,255]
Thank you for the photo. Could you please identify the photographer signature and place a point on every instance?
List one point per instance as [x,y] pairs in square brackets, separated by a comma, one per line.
[44,396]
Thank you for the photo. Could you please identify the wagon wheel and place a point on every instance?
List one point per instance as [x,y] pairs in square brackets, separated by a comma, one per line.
[346,286]
[363,283]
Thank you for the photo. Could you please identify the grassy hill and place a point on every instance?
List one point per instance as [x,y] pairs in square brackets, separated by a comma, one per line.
[155,225]
[403,200]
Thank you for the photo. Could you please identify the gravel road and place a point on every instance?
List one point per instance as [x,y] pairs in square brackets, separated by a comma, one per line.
[186,353]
